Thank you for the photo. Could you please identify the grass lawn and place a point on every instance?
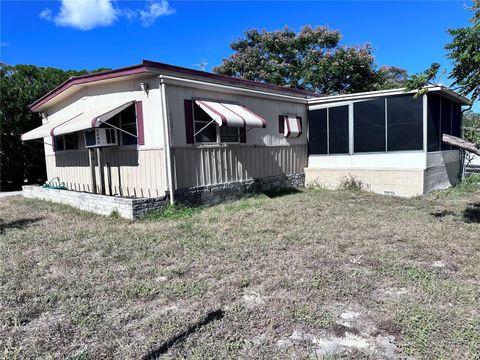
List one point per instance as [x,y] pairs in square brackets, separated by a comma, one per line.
[328,274]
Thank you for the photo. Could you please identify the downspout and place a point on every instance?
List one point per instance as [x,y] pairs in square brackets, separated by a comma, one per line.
[166,131]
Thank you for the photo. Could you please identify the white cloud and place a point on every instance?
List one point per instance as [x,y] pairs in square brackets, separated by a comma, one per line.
[46,14]
[4,44]
[89,14]
[155,10]
[86,14]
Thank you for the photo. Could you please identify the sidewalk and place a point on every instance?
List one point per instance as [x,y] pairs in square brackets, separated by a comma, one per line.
[10,193]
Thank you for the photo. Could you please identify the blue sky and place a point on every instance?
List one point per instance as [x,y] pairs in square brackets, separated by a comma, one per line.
[70,35]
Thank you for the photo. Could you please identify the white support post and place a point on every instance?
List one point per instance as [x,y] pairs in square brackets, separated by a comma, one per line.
[168,155]
[350,128]
[425,128]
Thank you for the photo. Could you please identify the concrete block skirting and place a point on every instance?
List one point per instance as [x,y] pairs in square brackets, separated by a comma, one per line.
[214,194]
[128,208]
[131,208]
[398,182]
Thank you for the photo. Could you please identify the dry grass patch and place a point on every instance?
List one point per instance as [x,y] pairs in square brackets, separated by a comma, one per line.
[316,273]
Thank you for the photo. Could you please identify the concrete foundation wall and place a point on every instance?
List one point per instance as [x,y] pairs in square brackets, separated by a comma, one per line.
[214,194]
[401,182]
[128,208]
[131,208]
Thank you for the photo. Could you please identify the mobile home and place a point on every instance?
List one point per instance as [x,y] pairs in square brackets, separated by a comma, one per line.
[163,133]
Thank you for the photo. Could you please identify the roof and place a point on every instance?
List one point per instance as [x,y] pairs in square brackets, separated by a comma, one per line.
[443,90]
[148,66]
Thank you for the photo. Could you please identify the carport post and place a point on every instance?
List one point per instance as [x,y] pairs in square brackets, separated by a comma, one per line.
[91,154]
[100,169]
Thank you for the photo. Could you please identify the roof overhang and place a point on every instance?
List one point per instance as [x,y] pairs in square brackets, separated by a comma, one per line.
[73,84]
[375,94]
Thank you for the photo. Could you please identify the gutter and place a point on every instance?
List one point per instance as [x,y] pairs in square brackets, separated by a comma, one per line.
[374,94]
[259,93]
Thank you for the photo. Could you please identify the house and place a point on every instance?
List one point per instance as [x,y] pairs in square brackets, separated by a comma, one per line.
[150,133]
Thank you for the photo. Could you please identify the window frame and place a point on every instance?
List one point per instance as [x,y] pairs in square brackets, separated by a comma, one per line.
[62,137]
[217,129]
[351,128]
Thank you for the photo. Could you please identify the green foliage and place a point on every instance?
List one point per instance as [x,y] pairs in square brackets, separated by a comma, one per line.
[20,85]
[352,183]
[470,184]
[311,60]
[172,212]
[391,77]
[471,127]
[464,51]
[421,80]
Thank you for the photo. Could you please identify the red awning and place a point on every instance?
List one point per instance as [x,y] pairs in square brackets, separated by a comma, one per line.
[225,114]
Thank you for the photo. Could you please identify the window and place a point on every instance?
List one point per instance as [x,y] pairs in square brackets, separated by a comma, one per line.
[212,133]
[446,122]
[317,131]
[66,142]
[338,130]
[127,121]
[404,123]
[369,126]
[444,117]
[433,122]
[456,119]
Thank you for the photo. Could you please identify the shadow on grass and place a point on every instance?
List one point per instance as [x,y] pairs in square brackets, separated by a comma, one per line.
[441,213]
[175,339]
[472,213]
[173,212]
[17,224]
[282,192]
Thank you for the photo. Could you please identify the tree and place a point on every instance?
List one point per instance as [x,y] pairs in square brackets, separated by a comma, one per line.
[391,77]
[20,85]
[464,50]
[471,132]
[311,60]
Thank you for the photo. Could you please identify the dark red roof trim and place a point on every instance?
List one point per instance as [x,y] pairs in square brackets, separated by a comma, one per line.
[144,67]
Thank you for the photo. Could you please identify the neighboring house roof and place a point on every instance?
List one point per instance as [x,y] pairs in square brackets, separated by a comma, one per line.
[155,67]
[445,91]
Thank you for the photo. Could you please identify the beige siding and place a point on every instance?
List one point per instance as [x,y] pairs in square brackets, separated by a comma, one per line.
[269,109]
[199,166]
[102,95]
[137,173]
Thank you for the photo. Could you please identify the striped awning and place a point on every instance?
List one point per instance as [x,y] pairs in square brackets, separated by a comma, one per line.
[225,114]
[82,121]
[293,126]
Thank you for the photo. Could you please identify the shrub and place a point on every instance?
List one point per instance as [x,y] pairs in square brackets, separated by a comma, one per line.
[352,183]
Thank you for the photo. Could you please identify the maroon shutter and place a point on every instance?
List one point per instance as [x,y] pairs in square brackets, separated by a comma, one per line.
[243,134]
[140,131]
[281,124]
[53,143]
[188,107]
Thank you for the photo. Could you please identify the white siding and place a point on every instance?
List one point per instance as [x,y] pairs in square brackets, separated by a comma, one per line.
[387,160]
